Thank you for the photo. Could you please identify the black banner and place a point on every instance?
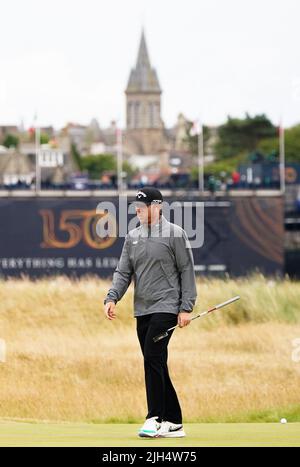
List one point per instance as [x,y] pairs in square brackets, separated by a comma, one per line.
[48,236]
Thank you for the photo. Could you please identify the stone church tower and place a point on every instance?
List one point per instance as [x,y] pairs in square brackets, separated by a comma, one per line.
[144,126]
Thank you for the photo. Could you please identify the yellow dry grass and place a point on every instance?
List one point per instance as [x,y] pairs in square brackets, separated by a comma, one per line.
[66,362]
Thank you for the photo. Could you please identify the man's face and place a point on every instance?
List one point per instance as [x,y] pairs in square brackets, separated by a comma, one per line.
[142,212]
[146,213]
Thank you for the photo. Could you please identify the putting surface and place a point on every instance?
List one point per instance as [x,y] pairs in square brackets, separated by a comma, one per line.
[204,434]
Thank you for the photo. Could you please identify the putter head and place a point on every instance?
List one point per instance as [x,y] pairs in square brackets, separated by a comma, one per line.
[160,336]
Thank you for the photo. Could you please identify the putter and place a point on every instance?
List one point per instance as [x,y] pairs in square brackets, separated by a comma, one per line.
[216,307]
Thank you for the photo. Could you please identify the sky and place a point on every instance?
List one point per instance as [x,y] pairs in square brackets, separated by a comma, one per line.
[69,60]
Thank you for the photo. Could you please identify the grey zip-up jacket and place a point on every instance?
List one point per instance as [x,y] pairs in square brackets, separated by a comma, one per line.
[160,260]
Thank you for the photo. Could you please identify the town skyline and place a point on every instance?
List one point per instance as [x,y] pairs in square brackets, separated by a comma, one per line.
[79,70]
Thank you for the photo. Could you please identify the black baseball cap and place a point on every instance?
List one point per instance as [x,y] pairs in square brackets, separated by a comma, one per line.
[147,195]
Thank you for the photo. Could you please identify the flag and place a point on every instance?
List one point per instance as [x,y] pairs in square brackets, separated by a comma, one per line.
[33,127]
[196,128]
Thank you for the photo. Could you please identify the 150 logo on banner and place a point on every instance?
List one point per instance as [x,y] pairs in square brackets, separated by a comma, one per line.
[73,227]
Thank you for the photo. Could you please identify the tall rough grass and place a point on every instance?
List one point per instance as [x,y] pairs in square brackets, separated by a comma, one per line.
[66,361]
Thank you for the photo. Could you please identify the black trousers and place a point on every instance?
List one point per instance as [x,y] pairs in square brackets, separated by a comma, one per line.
[162,399]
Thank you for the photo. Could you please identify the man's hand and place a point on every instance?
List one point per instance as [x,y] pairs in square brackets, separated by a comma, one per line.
[110,310]
[184,318]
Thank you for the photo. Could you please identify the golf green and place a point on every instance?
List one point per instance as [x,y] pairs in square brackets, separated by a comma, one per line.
[204,434]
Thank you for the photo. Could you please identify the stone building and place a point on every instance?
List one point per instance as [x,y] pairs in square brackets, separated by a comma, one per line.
[144,133]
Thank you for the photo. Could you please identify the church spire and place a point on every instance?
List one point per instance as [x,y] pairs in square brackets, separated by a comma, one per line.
[143,56]
[143,77]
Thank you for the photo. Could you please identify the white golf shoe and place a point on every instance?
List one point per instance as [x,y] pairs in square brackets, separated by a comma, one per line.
[170,430]
[150,428]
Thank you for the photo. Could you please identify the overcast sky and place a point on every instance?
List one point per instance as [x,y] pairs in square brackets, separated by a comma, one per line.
[69,60]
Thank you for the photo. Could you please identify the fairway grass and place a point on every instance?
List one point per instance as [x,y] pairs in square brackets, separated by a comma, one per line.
[113,435]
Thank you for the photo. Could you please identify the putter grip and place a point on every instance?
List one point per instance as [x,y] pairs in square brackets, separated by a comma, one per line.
[227,302]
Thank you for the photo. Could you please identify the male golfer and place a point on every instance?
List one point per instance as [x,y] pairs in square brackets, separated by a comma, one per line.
[157,254]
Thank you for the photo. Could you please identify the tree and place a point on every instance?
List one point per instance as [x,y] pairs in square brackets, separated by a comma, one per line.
[216,168]
[11,141]
[44,138]
[96,165]
[292,144]
[241,136]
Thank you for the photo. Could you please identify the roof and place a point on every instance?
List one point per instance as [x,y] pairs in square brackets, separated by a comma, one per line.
[143,77]
[14,163]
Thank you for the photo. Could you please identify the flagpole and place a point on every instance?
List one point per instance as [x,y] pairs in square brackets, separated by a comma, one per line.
[200,159]
[37,154]
[281,158]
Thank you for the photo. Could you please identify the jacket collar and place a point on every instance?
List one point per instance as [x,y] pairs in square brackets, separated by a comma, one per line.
[149,228]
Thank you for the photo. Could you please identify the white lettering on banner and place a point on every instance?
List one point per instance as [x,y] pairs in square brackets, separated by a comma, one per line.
[107,262]
[80,263]
[58,263]
[31,263]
